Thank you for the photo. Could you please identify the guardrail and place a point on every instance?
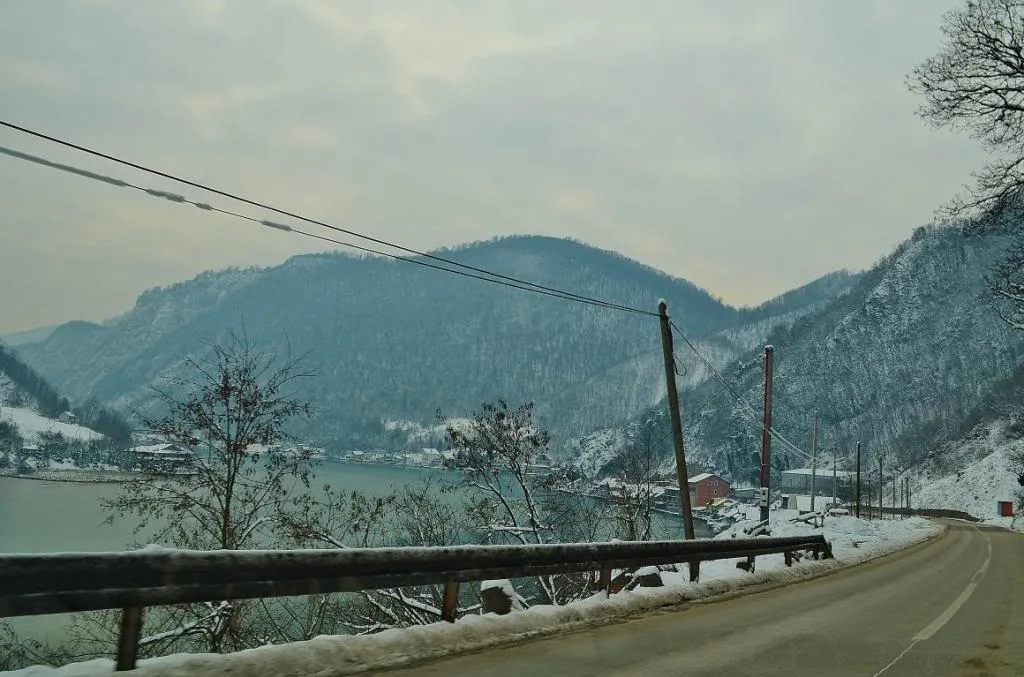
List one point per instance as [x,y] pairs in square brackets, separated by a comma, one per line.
[131,581]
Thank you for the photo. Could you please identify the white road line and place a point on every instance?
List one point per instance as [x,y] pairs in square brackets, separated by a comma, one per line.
[950,611]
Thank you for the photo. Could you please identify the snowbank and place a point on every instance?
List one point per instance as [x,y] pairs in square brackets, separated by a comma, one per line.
[853,541]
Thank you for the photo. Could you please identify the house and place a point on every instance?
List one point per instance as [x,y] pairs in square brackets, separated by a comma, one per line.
[798,480]
[745,493]
[706,487]
[67,417]
[164,459]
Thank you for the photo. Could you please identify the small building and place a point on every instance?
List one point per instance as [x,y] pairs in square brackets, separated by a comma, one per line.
[745,493]
[67,417]
[706,487]
[798,480]
[165,459]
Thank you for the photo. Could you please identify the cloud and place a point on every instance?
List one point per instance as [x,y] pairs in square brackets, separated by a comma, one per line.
[747,146]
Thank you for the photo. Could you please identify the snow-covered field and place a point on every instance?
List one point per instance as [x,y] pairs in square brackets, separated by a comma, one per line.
[852,540]
[30,424]
[972,474]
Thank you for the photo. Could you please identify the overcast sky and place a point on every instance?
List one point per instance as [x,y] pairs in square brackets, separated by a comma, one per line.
[748,146]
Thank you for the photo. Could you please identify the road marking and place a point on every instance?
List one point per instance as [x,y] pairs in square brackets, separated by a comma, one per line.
[950,611]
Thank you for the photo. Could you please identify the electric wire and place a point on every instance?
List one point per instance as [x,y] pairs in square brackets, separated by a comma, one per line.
[323,224]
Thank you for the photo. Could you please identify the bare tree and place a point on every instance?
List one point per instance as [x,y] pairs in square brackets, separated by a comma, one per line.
[231,410]
[635,472]
[976,84]
[512,495]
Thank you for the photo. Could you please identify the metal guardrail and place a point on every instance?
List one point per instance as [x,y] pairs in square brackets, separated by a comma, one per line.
[61,583]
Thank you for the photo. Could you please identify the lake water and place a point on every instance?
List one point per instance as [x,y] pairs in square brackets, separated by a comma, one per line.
[38,516]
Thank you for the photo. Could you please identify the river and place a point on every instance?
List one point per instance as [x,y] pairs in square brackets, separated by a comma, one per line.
[45,516]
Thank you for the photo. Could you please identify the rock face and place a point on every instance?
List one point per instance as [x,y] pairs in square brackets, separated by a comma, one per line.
[499,597]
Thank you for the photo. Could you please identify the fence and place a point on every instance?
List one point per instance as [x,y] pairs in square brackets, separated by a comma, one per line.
[61,583]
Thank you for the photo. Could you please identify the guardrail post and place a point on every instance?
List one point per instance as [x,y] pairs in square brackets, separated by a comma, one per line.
[128,641]
[450,603]
[789,558]
[604,579]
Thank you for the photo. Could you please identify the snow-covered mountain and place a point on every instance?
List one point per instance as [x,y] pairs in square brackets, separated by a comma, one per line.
[898,363]
[391,341]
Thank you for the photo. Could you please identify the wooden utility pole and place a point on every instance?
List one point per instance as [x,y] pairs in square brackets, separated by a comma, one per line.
[766,435]
[677,430]
[881,486]
[894,494]
[814,465]
[858,480]
[835,456]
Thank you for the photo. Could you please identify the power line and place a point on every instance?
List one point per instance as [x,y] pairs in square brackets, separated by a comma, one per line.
[745,406]
[180,199]
[262,205]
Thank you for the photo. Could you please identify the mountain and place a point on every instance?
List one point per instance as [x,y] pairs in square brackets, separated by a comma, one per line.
[32,405]
[898,363]
[28,336]
[393,341]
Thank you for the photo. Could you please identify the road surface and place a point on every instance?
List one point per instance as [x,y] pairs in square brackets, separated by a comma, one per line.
[954,606]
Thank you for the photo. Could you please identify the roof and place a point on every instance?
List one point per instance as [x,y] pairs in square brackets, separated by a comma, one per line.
[703,476]
[160,449]
[818,472]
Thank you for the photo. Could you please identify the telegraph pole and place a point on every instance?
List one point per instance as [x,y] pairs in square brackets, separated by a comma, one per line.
[814,466]
[894,494]
[858,480]
[881,486]
[677,430]
[766,427]
[835,454]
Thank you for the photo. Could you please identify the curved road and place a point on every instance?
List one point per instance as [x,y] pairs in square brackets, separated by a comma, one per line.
[954,606]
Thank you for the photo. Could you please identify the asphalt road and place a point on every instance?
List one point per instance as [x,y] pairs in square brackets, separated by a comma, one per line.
[954,606]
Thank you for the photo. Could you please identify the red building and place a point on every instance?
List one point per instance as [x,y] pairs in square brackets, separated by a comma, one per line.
[705,488]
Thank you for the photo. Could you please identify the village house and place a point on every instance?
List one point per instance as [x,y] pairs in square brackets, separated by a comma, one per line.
[164,459]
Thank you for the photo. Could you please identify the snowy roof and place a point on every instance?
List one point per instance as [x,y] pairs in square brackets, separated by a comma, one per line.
[165,448]
[701,477]
[818,472]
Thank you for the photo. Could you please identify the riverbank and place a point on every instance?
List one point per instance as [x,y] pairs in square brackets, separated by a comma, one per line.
[75,475]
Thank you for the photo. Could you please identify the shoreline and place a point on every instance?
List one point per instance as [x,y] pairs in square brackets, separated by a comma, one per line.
[74,476]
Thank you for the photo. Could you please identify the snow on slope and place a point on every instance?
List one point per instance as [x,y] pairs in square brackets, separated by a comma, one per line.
[853,541]
[971,474]
[30,424]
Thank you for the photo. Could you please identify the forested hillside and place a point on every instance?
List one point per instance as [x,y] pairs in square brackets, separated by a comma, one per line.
[902,360]
[392,341]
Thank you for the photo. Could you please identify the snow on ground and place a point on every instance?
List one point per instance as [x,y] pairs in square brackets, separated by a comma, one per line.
[30,424]
[853,541]
[972,474]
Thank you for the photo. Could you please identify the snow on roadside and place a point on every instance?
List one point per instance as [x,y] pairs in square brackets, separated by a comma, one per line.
[30,424]
[972,474]
[853,541]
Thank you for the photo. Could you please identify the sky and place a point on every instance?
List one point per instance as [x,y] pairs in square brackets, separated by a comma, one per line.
[747,146]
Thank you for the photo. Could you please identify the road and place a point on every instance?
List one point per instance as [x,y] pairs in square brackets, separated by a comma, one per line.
[954,606]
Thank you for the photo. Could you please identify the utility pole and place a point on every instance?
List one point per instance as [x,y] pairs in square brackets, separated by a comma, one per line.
[894,494]
[814,466]
[677,430]
[835,455]
[858,481]
[881,486]
[766,436]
